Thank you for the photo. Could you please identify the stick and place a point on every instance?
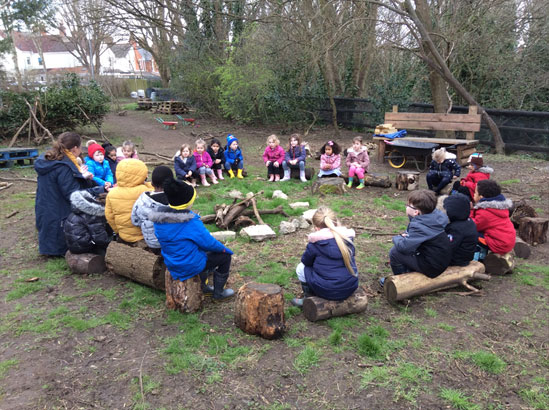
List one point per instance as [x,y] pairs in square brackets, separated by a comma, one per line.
[254,204]
[141,379]
[38,122]
[161,156]
[18,179]
[12,214]
[6,186]
[247,199]
[18,132]
[94,124]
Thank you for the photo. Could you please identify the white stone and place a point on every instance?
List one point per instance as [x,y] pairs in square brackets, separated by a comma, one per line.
[224,236]
[279,194]
[295,205]
[258,232]
[308,215]
[236,194]
[300,223]
[286,228]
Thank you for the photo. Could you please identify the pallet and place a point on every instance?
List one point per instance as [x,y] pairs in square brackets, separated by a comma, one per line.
[22,157]
[172,107]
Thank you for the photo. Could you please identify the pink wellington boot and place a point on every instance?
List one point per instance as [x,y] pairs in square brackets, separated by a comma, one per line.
[204,182]
[220,174]
[213,178]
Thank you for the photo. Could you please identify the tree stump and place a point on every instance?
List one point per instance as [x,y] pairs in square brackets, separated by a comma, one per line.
[520,210]
[407,180]
[309,173]
[379,180]
[522,249]
[185,296]
[316,308]
[408,285]
[533,230]
[325,186]
[260,310]
[499,264]
[136,264]
[85,263]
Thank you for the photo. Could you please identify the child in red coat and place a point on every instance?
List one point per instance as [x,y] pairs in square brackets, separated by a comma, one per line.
[477,172]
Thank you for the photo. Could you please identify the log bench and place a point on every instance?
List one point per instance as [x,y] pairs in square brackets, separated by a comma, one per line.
[315,308]
[469,123]
[184,296]
[85,263]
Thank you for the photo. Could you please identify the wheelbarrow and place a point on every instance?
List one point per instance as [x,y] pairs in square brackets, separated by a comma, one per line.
[402,151]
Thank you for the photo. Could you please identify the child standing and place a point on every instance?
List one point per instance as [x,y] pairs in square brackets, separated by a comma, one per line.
[185,165]
[218,157]
[187,246]
[126,151]
[330,160]
[358,162]
[100,169]
[110,156]
[328,268]
[203,162]
[477,172]
[273,157]
[461,230]
[442,170]
[233,157]
[294,158]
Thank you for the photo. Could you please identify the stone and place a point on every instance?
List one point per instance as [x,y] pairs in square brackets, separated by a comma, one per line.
[236,194]
[286,228]
[308,215]
[258,232]
[279,194]
[300,223]
[295,205]
[224,236]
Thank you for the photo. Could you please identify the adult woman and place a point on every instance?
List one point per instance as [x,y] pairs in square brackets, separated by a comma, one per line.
[59,175]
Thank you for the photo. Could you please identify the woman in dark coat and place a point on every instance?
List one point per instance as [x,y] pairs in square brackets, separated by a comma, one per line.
[59,175]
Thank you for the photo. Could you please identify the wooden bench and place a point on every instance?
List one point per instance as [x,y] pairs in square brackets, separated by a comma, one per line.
[468,123]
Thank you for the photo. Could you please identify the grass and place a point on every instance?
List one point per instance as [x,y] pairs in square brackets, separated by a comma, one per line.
[486,361]
[510,182]
[6,365]
[373,343]
[457,399]
[48,276]
[390,203]
[307,358]
[532,275]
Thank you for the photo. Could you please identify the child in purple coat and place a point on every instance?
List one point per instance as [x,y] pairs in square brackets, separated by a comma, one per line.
[204,162]
[273,156]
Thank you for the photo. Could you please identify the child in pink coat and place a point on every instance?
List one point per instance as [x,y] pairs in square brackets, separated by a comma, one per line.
[273,158]
[358,162]
[203,162]
[330,160]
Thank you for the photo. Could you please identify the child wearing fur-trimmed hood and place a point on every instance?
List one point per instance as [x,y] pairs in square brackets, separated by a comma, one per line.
[358,162]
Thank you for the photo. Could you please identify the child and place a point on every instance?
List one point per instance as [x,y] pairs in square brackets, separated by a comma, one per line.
[328,267]
[203,162]
[126,151]
[131,175]
[294,158]
[425,246]
[233,157]
[218,157]
[187,246]
[477,172]
[185,165]
[330,160]
[358,162]
[461,230]
[85,227]
[110,156]
[442,170]
[151,201]
[491,215]
[102,174]
[273,157]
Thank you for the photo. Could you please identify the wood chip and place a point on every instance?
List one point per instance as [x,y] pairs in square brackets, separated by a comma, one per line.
[35,279]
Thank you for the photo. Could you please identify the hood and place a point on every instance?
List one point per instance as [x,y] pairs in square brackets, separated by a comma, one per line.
[167,215]
[326,233]
[457,207]
[449,155]
[432,223]
[485,170]
[42,166]
[83,201]
[159,197]
[131,172]
[362,149]
[497,202]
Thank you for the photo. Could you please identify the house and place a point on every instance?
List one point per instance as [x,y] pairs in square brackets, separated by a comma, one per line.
[128,60]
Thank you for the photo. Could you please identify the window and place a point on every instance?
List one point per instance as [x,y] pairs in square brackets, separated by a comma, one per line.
[28,60]
[39,61]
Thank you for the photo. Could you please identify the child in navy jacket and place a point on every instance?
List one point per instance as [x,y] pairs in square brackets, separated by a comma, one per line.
[218,157]
[442,170]
[461,230]
[294,158]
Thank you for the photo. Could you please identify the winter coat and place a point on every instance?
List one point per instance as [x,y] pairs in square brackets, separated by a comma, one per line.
[203,159]
[101,171]
[298,152]
[85,227]
[120,155]
[145,204]
[131,175]
[461,230]
[57,180]
[231,156]
[333,161]
[361,157]
[472,178]
[184,241]
[325,271]
[220,155]
[274,155]
[448,168]
[427,239]
[181,168]
[112,164]
[492,218]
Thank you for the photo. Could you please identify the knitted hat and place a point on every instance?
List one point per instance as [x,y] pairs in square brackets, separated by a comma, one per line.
[181,195]
[230,139]
[93,148]
[160,174]
[476,160]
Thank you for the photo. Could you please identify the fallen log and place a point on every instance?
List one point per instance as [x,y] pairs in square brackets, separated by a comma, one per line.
[85,263]
[379,180]
[522,249]
[136,264]
[259,310]
[209,219]
[309,173]
[533,230]
[496,264]
[316,308]
[407,180]
[408,285]
[242,222]
[184,296]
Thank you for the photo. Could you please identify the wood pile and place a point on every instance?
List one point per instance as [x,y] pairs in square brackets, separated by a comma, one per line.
[172,107]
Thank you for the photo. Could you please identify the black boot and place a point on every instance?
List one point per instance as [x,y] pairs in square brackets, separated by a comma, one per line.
[219,283]
[206,289]
[306,293]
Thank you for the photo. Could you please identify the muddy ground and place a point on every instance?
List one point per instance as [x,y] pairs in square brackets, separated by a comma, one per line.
[87,342]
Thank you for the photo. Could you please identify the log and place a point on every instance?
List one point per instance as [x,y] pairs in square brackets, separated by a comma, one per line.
[208,219]
[329,186]
[407,180]
[309,173]
[242,222]
[408,285]
[136,264]
[316,308]
[496,264]
[85,263]
[522,249]
[185,296]
[379,180]
[533,230]
[260,310]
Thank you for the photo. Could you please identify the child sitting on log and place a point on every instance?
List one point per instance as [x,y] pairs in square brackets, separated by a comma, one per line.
[330,160]
[358,162]
[184,164]
[100,169]
[218,157]
[110,156]
[491,215]
[461,230]
[126,151]
[148,202]
[477,172]
[273,156]
[294,158]
[233,157]
[328,268]
[425,246]
[203,162]
[442,170]
[187,246]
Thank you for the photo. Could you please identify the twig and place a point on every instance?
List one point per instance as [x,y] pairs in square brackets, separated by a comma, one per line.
[94,123]
[245,201]
[141,379]
[161,156]
[254,204]
[18,179]
[6,186]
[18,132]
[38,122]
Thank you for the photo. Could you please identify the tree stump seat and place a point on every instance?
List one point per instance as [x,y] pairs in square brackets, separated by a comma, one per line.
[184,296]
[85,263]
[497,264]
[407,180]
[316,308]
[533,230]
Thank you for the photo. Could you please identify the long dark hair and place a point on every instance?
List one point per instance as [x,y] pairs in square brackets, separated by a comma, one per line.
[65,141]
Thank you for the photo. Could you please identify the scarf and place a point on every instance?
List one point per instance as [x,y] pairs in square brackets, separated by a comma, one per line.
[73,159]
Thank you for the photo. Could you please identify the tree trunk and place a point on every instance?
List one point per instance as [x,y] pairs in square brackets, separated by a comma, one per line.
[533,230]
[85,263]
[184,296]
[316,308]
[379,180]
[522,249]
[16,63]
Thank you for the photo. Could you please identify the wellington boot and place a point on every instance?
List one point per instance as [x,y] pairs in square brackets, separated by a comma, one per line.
[220,279]
[203,179]
[302,176]
[361,184]
[286,175]
[214,179]
[220,174]
[231,173]
[239,174]
[350,183]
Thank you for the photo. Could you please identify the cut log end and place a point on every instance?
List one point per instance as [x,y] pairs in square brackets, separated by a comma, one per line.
[499,264]
[316,308]
[184,296]
[85,263]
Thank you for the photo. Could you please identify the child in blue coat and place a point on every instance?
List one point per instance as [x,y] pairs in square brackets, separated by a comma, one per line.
[328,268]
[233,157]
[99,168]
[187,246]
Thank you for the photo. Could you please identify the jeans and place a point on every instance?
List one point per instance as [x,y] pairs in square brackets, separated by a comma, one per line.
[205,171]
[235,165]
[286,165]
